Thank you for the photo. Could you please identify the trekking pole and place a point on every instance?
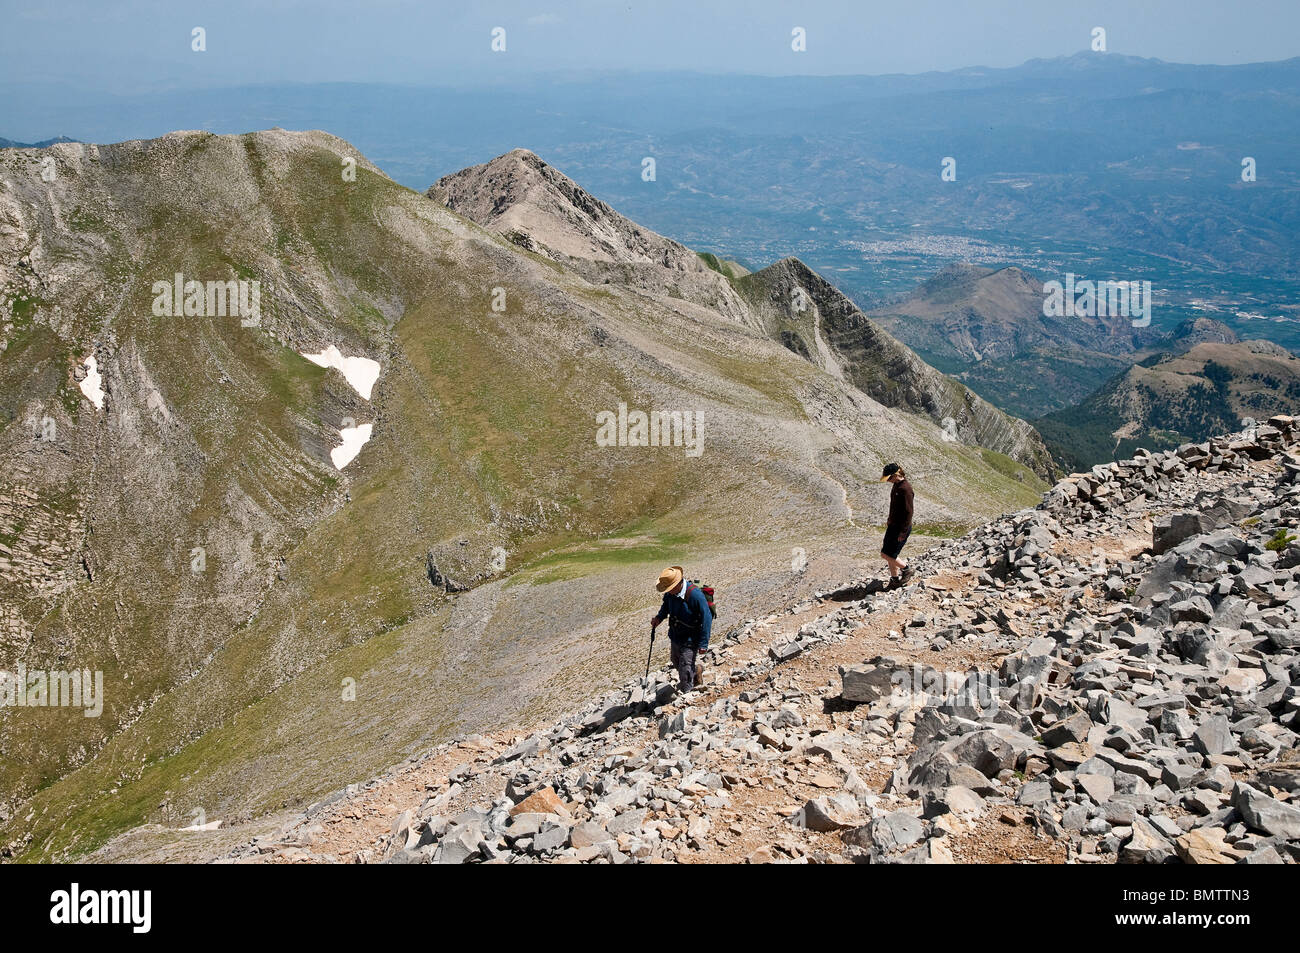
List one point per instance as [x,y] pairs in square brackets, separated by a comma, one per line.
[651,652]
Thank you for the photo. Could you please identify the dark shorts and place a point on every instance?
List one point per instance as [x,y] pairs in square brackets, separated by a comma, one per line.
[894,541]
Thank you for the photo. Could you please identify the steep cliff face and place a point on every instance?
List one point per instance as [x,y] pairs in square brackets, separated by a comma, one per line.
[813,318]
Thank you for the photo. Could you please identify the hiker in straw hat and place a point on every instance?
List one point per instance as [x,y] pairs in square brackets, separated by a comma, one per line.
[690,622]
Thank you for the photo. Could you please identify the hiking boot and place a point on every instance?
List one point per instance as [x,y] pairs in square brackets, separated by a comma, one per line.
[908,575]
[895,582]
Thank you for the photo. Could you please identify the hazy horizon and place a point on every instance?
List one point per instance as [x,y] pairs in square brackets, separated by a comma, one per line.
[85,116]
[146,45]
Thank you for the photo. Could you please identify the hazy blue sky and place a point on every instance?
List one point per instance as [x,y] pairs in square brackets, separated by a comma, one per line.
[131,45]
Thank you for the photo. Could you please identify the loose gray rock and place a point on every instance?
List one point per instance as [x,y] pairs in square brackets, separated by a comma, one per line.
[1266,814]
[896,831]
[1146,845]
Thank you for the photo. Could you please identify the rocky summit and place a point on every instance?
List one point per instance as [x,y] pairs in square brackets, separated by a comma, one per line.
[1109,677]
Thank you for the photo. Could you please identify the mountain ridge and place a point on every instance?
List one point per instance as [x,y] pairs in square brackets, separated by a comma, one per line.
[527,201]
[11,144]
[1209,382]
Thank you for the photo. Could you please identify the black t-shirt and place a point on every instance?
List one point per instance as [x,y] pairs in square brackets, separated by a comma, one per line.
[900,506]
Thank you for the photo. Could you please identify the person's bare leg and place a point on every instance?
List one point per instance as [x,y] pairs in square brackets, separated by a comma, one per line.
[895,567]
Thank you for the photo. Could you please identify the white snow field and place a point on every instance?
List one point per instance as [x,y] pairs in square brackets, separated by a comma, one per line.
[360,372]
[92,385]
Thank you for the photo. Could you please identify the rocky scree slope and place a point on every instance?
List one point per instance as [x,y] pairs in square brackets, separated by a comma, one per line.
[1112,676]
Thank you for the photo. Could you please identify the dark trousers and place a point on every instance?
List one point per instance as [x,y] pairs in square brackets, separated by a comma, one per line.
[683,657]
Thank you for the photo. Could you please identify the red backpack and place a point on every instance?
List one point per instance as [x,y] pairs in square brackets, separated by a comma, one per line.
[708,596]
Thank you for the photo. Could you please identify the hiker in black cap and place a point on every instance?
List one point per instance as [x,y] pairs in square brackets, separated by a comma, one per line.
[899,525]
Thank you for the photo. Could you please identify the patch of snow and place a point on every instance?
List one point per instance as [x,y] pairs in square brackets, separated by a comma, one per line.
[360,372]
[92,385]
[354,438]
[209,826]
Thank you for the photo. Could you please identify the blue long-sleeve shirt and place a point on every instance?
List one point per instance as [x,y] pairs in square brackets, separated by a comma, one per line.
[689,619]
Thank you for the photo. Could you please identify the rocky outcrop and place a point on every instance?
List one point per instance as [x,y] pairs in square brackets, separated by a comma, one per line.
[541,210]
[796,302]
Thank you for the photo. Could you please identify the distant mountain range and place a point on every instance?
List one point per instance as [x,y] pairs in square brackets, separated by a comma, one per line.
[987,327]
[10,144]
[1090,156]
[970,314]
[1094,386]
[1215,386]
